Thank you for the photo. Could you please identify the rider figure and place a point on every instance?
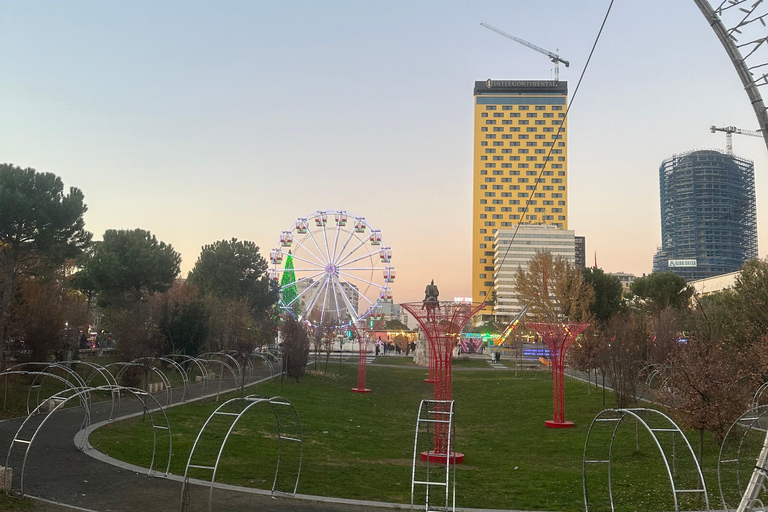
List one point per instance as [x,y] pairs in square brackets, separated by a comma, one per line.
[431,293]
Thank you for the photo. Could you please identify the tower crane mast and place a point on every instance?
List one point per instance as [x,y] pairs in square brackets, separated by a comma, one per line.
[555,58]
[729,130]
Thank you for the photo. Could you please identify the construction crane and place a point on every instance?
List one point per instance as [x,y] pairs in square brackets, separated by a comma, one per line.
[730,130]
[552,56]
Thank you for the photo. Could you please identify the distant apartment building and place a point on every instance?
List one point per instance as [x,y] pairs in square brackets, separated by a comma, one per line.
[580,248]
[515,251]
[708,214]
[625,278]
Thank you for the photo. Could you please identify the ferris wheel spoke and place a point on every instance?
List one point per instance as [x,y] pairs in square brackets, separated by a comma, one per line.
[361,257]
[301,280]
[363,268]
[325,301]
[325,240]
[352,276]
[319,250]
[348,304]
[346,242]
[308,262]
[336,250]
[359,294]
[320,260]
[313,300]
[352,251]
[305,290]
[336,290]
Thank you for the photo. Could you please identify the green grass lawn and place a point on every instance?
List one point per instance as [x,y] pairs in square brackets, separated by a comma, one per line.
[361,445]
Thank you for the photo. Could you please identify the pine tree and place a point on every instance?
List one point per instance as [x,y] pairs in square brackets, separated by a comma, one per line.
[288,286]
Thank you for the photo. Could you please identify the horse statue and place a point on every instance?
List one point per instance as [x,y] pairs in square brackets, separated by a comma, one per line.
[431,301]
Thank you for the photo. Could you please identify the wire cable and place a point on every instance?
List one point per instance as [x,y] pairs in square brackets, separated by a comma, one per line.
[556,138]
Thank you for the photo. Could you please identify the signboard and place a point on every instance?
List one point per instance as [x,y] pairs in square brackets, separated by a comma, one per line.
[682,263]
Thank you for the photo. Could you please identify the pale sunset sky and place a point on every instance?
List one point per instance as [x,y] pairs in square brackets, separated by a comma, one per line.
[202,121]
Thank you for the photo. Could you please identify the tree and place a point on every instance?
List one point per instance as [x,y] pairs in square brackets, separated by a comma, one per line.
[393,324]
[662,289]
[126,266]
[40,228]
[232,269]
[295,348]
[553,289]
[752,292]
[607,291]
[184,319]
[624,340]
[45,306]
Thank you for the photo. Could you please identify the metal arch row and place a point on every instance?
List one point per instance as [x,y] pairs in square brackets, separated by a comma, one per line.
[246,367]
[103,372]
[222,365]
[748,421]
[265,359]
[8,372]
[44,372]
[197,362]
[739,62]
[252,401]
[65,397]
[176,367]
[166,382]
[210,355]
[637,413]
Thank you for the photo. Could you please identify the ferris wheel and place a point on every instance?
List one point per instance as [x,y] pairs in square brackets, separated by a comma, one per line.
[332,268]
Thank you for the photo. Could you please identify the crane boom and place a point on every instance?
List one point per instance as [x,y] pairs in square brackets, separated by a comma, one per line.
[555,58]
[730,130]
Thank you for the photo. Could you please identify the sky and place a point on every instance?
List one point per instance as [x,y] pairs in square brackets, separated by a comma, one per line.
[203,121]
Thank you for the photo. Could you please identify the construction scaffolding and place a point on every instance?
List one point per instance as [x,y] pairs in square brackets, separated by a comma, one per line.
[708,214]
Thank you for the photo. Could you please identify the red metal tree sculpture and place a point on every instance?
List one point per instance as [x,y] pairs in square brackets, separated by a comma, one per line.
[558,337]
[364,334]
[442,323]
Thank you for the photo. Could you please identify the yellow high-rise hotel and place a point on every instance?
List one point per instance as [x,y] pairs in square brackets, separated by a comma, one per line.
[516,124]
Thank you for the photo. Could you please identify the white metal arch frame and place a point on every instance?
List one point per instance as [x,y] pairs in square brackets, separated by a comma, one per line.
[47,370]
[740,27]
[177,368]
[222,366]
[289,430]
[27,432]
[738,452]
[235,364]
[191,361]
[266,360]
[166,383]
[598,451]
[758,395]
[35,374]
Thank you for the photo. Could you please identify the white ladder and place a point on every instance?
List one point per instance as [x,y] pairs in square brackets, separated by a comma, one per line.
[435,424]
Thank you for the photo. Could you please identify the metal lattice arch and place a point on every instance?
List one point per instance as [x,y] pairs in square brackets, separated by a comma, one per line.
[740,27]
[26,434]
[225,418]
[682,470]
[740,449]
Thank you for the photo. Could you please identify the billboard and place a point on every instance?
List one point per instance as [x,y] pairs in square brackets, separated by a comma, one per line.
[682,263]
